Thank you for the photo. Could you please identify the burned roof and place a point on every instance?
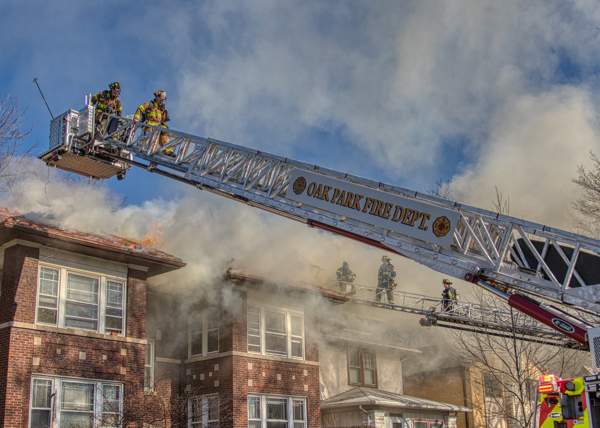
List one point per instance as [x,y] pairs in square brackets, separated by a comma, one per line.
[14,225]
[298,286]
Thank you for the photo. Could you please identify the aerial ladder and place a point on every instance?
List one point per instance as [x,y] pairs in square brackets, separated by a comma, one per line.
[513,258]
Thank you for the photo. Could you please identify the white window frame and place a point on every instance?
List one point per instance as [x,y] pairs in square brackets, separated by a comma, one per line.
[62,298]
[289,337]
[204,316]
[290,409]
[150,345]
[57,396]
[204,401]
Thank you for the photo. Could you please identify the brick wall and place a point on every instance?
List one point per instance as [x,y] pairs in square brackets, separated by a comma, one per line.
[444,385]
[136,303]
[24,352]
[19,284]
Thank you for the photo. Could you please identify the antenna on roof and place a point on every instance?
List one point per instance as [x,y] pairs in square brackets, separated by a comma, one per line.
[35,81]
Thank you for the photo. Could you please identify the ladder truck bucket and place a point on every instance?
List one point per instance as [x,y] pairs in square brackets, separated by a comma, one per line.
[75,147]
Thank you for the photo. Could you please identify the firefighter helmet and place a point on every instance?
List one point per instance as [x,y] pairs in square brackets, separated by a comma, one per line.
[386,259]
[161,95]
[116,86]
[345,264]
[445,281]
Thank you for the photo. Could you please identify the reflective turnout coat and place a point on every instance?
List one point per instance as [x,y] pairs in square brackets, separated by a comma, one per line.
[152,114]
[106,103]
[387,274]
[345,274]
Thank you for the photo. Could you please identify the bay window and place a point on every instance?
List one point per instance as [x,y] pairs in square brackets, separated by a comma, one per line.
[74,402]
[80,300]
[266,411]
[275,332]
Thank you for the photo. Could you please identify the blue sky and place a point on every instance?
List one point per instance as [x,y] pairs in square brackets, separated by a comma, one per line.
[478,92]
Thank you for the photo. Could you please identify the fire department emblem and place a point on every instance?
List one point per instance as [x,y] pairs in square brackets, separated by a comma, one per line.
[441,226]
[299,185]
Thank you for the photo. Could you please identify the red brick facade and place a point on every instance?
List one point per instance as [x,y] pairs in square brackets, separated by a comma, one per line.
[28,349]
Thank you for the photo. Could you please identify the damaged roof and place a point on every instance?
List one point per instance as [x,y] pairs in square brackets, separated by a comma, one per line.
[362,396]
[300,286]
[14,225]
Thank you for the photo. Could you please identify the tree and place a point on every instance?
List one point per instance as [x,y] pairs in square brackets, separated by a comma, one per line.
[587,209]
[505,369]
[15,163]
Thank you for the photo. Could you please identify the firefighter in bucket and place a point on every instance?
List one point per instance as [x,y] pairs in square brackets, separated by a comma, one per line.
[155,113]
[386,280]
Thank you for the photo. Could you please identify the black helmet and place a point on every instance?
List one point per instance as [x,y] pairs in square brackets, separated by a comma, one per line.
[446,281]
[345,264]
[116,86]
[386,259]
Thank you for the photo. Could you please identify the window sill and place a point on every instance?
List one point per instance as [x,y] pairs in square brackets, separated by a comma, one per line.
[72,332]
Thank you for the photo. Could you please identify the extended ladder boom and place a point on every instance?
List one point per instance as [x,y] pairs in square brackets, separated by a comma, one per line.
[461,241]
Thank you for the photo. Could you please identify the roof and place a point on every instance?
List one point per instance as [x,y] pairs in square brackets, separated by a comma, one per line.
[362,396]
[300,286]
[14,225]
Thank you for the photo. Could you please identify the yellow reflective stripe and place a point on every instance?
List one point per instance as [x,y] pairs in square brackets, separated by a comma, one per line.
[120,108]
[142,109]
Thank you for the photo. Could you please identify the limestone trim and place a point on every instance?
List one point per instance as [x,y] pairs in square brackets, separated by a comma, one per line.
[251,355]
[81,333]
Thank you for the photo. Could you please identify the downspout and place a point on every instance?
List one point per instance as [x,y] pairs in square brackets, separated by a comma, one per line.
[368,417]
[465,401]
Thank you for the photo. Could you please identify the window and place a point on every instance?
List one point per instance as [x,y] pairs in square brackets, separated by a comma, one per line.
[272,332]
[74,402]
[361,368]
[203,333]
[79,300]
[204,412]
[427,423]
[149,367]
[276,412]
[493,387]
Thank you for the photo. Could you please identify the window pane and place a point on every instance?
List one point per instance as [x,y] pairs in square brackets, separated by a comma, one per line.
[79,420]
[276,408]
[253,424]
[275,322]
[354,375]
[42,394]
[197,410]
[81,310]
[253,407]
[213,408]
[271,424]
[46,316]
[114,324]
[111,399]
[368,360]
[276,344]
[77,396]
[48,281]
[296,325]
[40,419]
[212,319]
[420,424]
[369,377]
[47,302]
[296,347]
[197,344]
[213,341]
[82,288]
[354,358]
[298,410]
[438,424]
[114,294]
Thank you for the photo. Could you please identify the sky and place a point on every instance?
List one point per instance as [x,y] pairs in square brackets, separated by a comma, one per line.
[481,94]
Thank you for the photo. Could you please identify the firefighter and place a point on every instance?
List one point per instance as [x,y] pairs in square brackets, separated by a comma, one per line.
[345,276]
[107,102]
[386,280]
[155,113]
[448,296]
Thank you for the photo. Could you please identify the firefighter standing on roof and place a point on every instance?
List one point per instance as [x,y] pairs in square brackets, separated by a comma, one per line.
[155,113]
[448,296]
[107,102]
[386,280]
[345,275]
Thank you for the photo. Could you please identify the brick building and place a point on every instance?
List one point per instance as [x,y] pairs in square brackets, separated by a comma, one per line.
[72,323]
[85,338]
